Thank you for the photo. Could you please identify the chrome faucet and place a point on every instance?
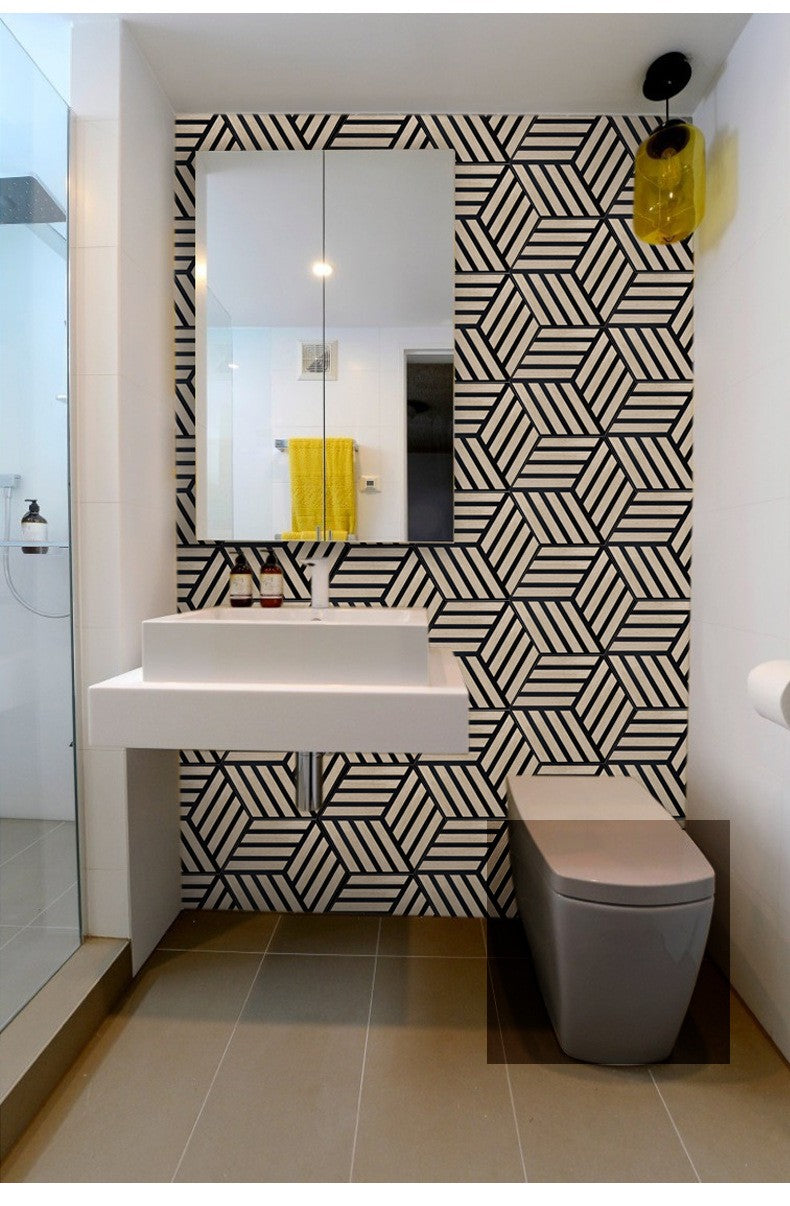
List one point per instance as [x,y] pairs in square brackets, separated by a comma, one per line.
[319,581]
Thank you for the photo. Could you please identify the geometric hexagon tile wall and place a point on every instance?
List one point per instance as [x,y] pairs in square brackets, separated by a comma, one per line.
[565,590]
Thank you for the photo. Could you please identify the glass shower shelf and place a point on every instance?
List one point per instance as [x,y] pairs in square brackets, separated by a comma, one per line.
[26,544]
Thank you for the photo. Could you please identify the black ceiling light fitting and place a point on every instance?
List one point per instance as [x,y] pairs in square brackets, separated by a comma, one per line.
[669,183]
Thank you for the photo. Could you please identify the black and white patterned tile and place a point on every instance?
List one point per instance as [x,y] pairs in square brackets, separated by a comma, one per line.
[565,591]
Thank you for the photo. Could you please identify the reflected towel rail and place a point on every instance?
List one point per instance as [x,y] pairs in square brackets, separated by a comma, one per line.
[282,445]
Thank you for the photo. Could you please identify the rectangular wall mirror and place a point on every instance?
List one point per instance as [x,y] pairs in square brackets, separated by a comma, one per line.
[324,336]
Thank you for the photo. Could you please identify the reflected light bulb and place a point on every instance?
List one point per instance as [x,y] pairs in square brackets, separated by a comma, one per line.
[321,268]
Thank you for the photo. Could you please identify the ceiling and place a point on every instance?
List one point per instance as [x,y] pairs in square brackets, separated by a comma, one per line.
[426,62]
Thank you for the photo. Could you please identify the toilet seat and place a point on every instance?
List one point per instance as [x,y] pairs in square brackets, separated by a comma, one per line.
[604,839]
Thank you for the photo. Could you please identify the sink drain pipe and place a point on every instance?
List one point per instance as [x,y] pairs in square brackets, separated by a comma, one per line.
[309,783]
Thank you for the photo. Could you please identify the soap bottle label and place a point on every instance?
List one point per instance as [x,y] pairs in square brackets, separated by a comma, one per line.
[240,586]
[34,532]
[271,586]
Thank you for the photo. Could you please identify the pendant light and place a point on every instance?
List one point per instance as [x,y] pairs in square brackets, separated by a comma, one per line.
[669,173]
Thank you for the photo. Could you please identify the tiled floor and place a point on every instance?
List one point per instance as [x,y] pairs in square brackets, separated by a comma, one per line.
[39,906]
[256,1048]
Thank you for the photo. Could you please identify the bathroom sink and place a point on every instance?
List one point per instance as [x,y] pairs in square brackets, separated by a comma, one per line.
[290,678]
[289,645]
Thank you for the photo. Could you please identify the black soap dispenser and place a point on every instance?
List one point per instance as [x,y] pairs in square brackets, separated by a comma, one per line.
[241,582]
[34,529]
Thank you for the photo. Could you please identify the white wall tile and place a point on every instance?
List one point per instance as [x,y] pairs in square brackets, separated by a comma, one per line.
[95,66]
[97,438]
[146,154]
[741,566]
[147,447]
[147,572]
[100,657]
[96,310]
[95,169]
[145,311]
[104,778]
[98,563]
[107,912]
[726,434]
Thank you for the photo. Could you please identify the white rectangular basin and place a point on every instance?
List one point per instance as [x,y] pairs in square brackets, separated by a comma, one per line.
[289,645]
[129,711]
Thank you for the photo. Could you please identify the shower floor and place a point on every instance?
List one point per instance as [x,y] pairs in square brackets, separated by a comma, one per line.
[39,906]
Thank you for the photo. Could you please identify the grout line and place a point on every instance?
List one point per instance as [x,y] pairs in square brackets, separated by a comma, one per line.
[311,954]
[35,842]
[30,928]
[32,923]
[507,1073]
[674,1125]
[225,1052]
[364,1056]
[436,955]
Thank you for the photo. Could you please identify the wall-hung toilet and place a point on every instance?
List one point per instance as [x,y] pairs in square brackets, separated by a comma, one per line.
[616,902]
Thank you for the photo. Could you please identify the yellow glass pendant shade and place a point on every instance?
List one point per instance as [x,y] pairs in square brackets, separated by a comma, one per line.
[669,184]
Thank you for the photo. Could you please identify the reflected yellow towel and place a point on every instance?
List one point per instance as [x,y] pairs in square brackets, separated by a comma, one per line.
[306,463]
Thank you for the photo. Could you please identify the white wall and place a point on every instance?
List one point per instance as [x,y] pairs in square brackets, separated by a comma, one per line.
[739,764]
[124,455]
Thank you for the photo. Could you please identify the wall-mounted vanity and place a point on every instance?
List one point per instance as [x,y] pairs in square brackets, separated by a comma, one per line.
[324,311]
[292,678]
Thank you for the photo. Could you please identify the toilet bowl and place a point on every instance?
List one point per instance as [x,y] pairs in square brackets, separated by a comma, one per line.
[616,902]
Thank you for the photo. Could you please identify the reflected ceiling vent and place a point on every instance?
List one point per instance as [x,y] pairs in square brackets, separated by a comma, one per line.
[24,200]
[319,362]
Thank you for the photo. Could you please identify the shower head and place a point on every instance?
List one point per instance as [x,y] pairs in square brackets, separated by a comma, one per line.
[23,199]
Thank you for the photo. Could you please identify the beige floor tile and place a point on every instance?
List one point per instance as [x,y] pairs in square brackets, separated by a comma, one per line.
[432,1108]
[734,1118]
[220,930]
[284,1105]
[583,1123]
[326,934]
[126,1108]
[461,936]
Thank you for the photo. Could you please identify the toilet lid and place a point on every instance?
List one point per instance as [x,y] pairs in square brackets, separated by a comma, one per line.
[609,846]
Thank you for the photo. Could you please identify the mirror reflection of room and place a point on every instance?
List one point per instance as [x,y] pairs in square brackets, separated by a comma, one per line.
[325,289]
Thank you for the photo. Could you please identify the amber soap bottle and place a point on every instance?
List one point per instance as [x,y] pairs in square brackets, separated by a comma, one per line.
[271,583]
[240,583]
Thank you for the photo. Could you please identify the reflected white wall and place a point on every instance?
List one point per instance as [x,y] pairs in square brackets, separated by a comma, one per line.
[367,403]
